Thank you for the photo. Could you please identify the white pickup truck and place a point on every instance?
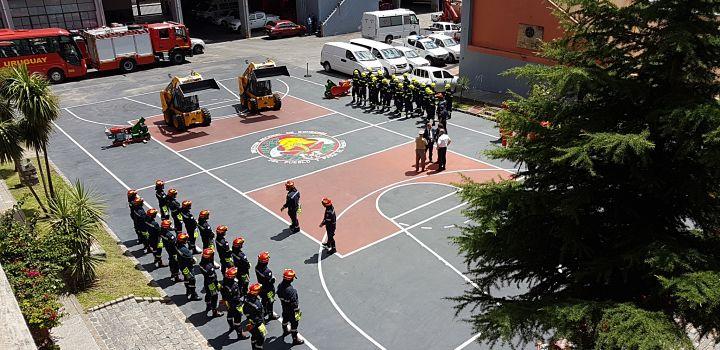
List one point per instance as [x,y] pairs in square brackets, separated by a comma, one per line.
[257,20]
[425,47]
[446,28]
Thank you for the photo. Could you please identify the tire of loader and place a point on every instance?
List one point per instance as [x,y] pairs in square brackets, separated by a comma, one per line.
[207,119]
[180,123]
[278,102]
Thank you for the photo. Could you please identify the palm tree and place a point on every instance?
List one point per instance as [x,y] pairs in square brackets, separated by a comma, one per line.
[75,214]
[11,142]
[32,97]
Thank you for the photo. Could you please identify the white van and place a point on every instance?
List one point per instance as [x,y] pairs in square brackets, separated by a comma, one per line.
[390,24]
[392,60]
[346,58]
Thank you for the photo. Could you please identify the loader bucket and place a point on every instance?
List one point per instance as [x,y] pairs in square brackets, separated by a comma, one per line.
[197,87]
[271,72]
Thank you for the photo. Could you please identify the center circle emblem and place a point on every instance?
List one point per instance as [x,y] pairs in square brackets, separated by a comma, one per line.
[298,147]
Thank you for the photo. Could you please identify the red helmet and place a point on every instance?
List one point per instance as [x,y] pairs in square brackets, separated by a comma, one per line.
[264,257]
[326,202]
[182,237]
[254,289]
[231,272]
[289,185]
[289,274]
[159,184]
[221,229]
[152,212]
[238,242]
[165,224]
[131,194]
[204,214]
[187,204]
[208,253]
[172,193]
[138,201]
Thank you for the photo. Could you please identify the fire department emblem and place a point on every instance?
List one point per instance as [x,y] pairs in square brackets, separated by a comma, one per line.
[298,147]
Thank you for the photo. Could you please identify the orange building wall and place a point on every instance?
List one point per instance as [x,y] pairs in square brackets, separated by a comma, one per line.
[495,25]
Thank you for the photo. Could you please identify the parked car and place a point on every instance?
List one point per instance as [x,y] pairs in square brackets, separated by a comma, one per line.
[198,46]
[220,16]
[447,28]
[449,44]
[429,75]
[392,60]
[346,58]
[425,47]
[257,20]
[283,28]
[210,10]
[412,57]
[225,20]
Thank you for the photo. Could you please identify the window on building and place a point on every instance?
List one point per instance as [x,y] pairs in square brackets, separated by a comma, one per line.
[68,14]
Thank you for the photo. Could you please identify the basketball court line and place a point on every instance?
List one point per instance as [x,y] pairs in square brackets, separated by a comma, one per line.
[475,131]
[142,103]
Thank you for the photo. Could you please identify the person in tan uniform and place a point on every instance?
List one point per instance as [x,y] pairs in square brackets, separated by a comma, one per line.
[420,150]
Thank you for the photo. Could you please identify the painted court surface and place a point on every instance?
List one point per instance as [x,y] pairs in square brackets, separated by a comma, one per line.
[386,288]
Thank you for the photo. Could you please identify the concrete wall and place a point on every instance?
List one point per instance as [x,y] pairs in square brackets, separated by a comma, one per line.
[14,332]
[348,16]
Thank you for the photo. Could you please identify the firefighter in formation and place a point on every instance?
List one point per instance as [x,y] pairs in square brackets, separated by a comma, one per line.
[243,301]
[412,98]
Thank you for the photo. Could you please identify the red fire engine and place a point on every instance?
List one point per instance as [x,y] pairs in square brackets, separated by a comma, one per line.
[126,47]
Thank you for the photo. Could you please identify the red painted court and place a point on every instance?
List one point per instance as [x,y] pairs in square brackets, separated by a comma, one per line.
[358,184]
[235,125]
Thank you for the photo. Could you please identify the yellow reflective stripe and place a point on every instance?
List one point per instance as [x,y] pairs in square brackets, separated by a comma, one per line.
[262,329]
[271,295]
[212,287]
[160,245]
[195,234]
[240,310]
[298,315]
[186,271]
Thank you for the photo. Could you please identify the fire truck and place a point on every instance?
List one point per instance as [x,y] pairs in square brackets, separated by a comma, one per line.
[125,47]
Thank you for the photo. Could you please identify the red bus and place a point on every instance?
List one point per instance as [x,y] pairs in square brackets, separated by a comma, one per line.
[51,52]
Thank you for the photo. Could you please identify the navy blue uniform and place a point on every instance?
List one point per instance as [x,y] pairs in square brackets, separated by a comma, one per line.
[254,311]
[223,249]
[241,262]
[267,294]
[140,224]
[174,207]
[187,266]
[153,230]
[290,307]
[330,221]
[292,204]
[210,282]
[233,300]
[206,233]
[170,243]
[162,204]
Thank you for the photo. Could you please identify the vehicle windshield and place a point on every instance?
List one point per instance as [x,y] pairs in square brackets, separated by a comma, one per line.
[449,42]
[429,44]
[410,54]
[391,53]
[364,56]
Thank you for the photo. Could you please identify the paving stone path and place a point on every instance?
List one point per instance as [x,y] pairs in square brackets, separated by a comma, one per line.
[144,323]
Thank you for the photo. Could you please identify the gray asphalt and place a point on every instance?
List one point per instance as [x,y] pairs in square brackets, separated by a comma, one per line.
[398,299]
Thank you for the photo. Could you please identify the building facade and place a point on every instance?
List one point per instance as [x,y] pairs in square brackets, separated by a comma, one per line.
[503,34]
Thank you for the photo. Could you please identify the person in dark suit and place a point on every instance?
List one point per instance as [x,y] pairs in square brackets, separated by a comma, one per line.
[430,135]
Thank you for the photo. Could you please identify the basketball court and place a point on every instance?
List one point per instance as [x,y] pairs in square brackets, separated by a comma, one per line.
[388,284]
